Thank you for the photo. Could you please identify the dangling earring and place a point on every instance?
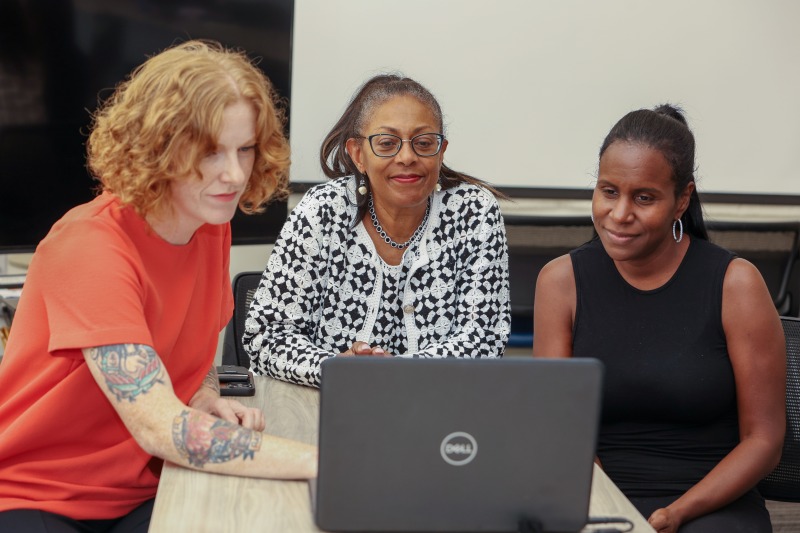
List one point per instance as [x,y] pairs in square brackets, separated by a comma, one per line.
[438,186]
[362,186]
[591,215]
[679,235]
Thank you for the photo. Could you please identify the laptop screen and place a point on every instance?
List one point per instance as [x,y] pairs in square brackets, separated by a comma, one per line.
[456,445]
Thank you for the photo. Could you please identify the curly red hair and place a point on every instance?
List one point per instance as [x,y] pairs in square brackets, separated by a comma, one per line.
[167,115]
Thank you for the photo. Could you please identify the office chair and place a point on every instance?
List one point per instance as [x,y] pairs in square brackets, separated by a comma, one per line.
[532,242]
[771,246]
[783,484]
[244,287]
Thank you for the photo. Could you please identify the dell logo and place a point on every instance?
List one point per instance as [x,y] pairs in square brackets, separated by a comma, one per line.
[458,448]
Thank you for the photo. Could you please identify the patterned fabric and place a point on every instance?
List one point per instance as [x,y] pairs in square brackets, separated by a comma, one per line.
[390,317]
[325,286]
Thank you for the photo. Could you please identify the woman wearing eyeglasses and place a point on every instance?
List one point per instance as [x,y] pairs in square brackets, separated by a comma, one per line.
[397,255]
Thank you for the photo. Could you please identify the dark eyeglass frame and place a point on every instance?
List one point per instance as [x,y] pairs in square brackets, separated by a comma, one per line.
[439,139]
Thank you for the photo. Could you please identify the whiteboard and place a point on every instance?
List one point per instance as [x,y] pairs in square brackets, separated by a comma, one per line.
[529,88]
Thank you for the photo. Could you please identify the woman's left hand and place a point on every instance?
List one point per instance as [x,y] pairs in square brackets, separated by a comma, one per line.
[231,410]
[664,521]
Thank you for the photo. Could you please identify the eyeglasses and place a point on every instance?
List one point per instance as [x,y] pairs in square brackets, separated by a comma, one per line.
[388,145]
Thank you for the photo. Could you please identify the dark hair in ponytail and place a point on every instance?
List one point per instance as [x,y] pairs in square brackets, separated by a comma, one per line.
[335,160]
[665,129]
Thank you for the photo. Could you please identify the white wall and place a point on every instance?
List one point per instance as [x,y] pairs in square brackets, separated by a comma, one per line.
[530,87]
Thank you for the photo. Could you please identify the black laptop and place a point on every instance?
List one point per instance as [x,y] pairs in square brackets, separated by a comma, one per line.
[456,445]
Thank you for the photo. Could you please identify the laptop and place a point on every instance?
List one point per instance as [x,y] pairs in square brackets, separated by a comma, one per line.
[456,445]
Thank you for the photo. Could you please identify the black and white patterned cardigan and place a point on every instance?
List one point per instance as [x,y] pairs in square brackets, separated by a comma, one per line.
[321,289]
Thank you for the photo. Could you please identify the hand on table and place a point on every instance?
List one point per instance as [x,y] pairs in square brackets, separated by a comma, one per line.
[360,348]
[232,411]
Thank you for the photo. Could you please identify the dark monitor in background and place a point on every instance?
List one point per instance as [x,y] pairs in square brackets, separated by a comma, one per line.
[59,58]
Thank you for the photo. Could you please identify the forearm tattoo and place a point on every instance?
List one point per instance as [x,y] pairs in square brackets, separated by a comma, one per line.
[212,380]
[129,369]
[201,439]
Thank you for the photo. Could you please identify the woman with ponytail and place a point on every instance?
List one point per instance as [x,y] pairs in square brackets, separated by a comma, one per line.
[693,412]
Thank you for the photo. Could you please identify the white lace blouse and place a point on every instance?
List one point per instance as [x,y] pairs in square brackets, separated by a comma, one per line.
[325,286]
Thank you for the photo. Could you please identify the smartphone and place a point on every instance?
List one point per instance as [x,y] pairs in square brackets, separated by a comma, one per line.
[238,388]
[228,373]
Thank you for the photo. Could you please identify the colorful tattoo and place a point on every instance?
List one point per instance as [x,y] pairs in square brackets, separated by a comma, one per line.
[212,380]
[202,438]
[129,369]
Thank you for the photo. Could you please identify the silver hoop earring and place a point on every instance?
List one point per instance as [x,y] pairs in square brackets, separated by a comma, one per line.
[362,186]
[678,236]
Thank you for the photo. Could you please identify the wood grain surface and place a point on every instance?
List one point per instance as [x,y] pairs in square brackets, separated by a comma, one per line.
[193,501]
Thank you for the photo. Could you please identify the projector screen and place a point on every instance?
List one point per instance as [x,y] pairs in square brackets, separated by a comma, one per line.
[529,88]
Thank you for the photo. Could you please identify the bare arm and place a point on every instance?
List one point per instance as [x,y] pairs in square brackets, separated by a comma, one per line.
[758,355]
[133,378]
[554,309]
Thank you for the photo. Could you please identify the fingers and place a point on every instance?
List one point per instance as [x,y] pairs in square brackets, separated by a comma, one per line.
[362,348]
[253,419]
[236,413]
[358,348]
[247,417]
[223,409]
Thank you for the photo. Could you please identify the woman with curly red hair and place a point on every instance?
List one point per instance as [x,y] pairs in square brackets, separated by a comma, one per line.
[109,368]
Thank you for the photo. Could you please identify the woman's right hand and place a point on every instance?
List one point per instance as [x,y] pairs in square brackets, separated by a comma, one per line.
[360,348]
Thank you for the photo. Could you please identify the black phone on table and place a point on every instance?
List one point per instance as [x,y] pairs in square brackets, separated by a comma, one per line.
[235,380]
[229,373]
[238,388]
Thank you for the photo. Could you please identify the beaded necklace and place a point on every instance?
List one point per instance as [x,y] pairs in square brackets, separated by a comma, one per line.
[389,240]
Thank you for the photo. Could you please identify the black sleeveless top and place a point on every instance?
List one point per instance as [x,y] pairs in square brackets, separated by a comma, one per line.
[669,408]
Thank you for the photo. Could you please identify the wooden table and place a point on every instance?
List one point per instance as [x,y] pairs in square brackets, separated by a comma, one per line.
[192,501]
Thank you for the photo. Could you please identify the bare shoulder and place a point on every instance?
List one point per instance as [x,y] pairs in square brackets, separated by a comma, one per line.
[554,309]
[557,272]
[555,286]
[749,317]
[743,288]
[742,273]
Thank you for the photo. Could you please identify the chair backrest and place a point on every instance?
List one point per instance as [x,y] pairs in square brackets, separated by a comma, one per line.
[533,241]
[771,246]
[244,287]
[784,482]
